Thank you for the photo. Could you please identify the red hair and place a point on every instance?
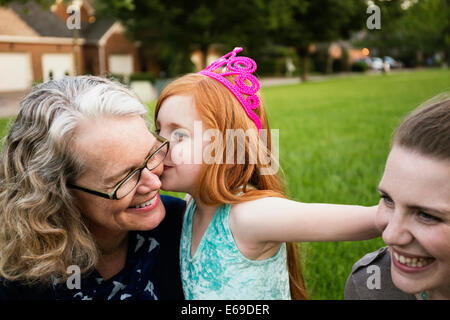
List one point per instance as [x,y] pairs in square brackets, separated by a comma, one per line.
[221,183]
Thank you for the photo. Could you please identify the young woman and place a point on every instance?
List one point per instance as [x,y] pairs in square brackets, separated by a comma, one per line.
[413,213]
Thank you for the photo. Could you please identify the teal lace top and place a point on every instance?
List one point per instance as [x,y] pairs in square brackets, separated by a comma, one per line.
[219,271]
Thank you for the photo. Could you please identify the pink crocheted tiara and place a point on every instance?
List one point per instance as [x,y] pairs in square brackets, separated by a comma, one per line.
[243,68]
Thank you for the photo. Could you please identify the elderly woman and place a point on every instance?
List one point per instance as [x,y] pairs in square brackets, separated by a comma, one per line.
[80,213]
[414,214]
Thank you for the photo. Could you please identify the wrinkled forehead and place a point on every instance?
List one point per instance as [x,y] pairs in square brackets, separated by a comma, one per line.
[411,178]
[105,143]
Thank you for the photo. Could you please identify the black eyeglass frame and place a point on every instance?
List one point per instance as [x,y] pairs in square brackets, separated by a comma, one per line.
[113,194]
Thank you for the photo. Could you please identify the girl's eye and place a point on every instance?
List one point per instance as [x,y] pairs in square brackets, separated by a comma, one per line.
[427,217]
[179,135]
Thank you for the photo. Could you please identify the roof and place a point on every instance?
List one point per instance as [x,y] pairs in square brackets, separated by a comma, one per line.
[12,25]
[44,22]
[97,29]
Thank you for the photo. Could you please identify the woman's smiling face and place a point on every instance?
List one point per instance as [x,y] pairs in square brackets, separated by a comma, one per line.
[414,214]
[112,147]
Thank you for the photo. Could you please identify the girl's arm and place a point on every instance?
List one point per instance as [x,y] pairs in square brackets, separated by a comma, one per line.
[282,220]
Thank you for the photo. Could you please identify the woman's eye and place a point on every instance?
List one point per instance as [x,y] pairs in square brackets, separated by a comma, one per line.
[387,200]
[109,188]
[428,217]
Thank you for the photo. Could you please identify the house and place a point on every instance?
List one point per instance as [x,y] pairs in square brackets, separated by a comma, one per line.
[37,45]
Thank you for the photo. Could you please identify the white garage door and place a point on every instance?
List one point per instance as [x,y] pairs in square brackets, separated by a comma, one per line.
[56,65]
[15,71]
[120,64]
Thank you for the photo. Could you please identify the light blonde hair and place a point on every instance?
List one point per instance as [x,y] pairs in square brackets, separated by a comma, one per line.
[221,183]
[41,230]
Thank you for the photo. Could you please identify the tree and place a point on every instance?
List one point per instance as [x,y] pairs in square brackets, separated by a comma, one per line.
[300,24]
[43,3]
[178,27]
[420,29]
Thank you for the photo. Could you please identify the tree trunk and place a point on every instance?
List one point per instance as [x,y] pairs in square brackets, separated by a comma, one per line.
[329,63]
[419,58]
[303,54]
[204,50]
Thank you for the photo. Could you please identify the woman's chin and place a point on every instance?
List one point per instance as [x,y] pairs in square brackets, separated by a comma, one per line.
[149,220]
[411,286]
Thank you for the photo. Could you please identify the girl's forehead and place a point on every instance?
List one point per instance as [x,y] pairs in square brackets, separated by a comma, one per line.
[177,109]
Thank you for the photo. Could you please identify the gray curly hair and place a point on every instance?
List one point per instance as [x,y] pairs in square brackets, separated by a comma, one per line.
[41,230]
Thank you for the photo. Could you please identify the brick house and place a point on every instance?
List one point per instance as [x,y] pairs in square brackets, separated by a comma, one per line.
[36,45]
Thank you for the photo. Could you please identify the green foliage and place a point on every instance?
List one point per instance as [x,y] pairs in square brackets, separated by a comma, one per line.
[171,30]
[143,76]
[412,34]
[359,66]
[43,3]
[302,23]
[118,77]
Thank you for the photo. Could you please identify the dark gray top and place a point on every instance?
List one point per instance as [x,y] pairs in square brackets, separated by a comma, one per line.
[371,279]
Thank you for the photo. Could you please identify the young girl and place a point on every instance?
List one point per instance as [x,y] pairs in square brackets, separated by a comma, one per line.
[239,229]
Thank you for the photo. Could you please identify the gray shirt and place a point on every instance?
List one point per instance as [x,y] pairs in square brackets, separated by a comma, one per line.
[371,279]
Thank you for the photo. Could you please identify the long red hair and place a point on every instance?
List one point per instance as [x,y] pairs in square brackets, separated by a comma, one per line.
[220,182]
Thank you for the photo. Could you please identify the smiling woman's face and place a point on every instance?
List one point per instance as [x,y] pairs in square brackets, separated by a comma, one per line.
[414,214]
[112,147]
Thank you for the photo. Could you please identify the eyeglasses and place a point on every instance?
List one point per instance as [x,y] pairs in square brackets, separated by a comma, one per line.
[127,184]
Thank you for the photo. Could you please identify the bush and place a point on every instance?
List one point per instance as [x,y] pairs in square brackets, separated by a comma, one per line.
[143,76]
[359,66]
[341,64]
[117,77]
[272,67]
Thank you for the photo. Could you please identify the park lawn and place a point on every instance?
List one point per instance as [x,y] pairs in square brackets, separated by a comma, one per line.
[334,138]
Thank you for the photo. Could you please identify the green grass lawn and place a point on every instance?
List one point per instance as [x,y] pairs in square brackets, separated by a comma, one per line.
[334,140]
